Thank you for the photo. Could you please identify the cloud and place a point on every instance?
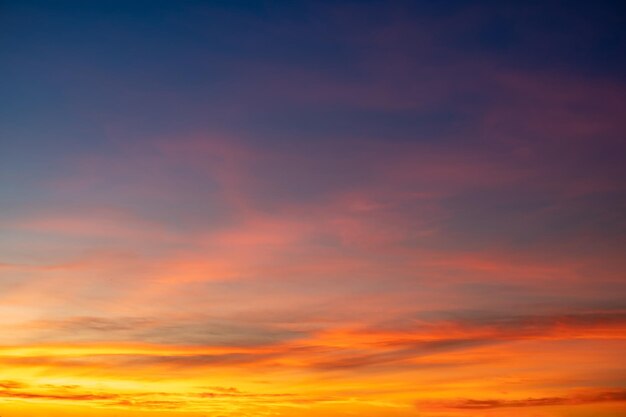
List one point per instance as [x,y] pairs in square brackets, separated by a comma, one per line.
[185,330]
[216,398]
[8,385]
[62,397]
[580,399]
[393,346]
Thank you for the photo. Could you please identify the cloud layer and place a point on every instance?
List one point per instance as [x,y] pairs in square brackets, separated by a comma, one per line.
[374,209]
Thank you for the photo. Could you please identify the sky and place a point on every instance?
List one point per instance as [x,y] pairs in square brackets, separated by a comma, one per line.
[312,208]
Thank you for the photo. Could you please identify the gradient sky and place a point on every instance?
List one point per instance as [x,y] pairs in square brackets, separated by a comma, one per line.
[316,209]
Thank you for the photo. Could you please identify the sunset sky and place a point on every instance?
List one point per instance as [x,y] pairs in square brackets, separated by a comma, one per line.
[289,208]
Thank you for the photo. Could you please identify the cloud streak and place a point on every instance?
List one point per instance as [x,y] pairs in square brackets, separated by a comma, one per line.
[618,396]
